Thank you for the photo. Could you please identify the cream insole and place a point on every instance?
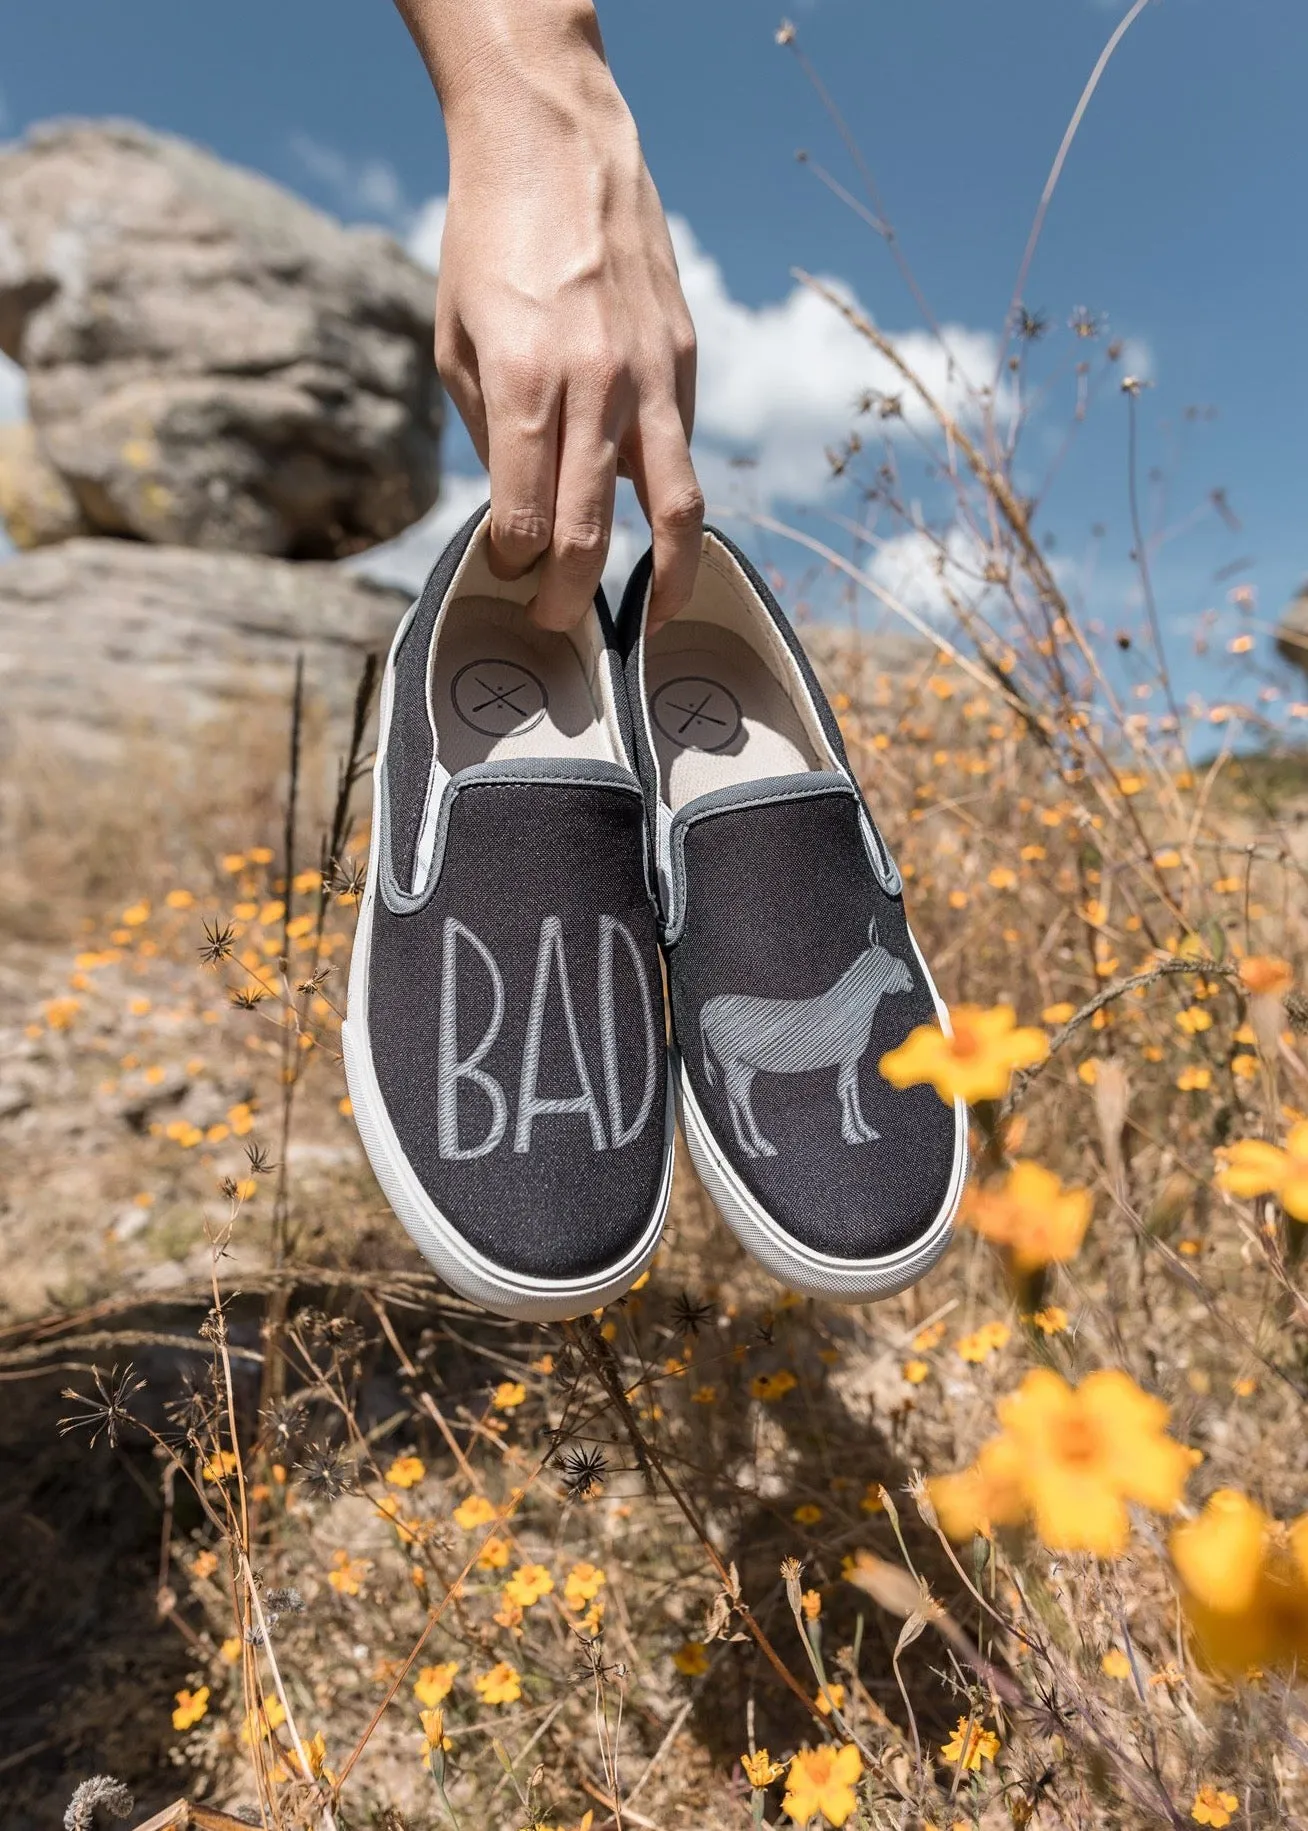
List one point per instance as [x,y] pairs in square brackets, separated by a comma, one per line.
[501,688]
[719,715]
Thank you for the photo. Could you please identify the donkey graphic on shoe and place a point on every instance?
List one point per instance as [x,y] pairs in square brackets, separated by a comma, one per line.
[744,1036]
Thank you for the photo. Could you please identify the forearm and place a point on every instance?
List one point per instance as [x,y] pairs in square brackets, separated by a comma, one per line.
[479,52]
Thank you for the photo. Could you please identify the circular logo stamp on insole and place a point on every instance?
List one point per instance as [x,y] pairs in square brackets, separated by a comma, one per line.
[696,713]
[499,698]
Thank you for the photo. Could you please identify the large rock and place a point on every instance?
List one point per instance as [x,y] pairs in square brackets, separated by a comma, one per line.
[211,363]
[102,641]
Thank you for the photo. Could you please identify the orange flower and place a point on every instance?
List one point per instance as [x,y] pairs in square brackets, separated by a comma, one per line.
[760,1769]
[969,1746]
[501,1685]
[1213,1807]
[1070,1458]
[975,1062]
[528,1584]
[433,1683]
[1244,1584]
[191,1706]
[1254,1167]
[823,1780]
[1266,976]
[1032,1215]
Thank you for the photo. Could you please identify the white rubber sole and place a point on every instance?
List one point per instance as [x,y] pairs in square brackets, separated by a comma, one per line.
[451,1256]
[799,1267]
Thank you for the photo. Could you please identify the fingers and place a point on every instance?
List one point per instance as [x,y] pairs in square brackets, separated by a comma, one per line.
[523,420]
[673,502]
[583,514]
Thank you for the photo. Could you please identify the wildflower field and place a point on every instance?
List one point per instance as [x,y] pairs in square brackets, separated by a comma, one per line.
[1027,1545]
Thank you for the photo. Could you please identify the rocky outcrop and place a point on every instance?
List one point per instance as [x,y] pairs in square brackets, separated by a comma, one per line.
[103,639]
[210,362]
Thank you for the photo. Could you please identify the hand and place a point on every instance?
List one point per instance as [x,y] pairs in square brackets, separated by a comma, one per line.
[561,332]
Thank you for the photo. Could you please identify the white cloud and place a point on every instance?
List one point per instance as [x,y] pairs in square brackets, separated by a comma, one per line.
[778,383]
[426,227]
[13,391]
[367,190]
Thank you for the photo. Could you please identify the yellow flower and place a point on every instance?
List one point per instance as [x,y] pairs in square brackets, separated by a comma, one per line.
[179,899]
[1003,877]
[406,1471]
[494,1555]
[691,1659]
[219,1465]
[704,1395]
[829,1698]
[434,1683]
[1194,1019]
[760,1769]
[583,1584]
[1254,1167]
[508,1395]
[347,1573]
[1194,1080]
[1115,1664]
[872,1501]
[807,1515]
[1212,1806]
[823,1780]
[1088,1451]
[1071,1458]
[191,1706]
[1244,1579]
[528,1584]
[501,1685]
[929,1337]
[1052,1320]
[772,1386]
[290,1767]
[811,1603]
[976,1063]
[1265,975]
[204,1564]
[136,915]
[969,1746]
[230,1650]
[915,1371]
[475,1511]
[433,1734]
[1032,1215]
[983,1342]
[1057,1014]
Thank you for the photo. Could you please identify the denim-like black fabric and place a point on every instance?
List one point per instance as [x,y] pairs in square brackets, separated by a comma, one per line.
[778,901]
[516,854]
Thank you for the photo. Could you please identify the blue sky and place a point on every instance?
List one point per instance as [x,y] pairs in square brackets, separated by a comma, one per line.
[1180,215]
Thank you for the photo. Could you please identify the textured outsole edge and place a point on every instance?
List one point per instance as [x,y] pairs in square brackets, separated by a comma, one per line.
[800,1268]
[464,1269]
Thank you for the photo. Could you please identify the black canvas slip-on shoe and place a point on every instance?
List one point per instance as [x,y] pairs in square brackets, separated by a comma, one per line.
[505,1040]
[791,966]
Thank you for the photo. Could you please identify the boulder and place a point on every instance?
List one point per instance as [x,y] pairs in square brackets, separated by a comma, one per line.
[105,641]
[210,362]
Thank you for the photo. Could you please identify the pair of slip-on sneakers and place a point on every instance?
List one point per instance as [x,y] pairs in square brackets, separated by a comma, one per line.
[552,808]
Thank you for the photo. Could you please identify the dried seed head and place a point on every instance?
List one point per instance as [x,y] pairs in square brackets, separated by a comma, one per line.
[584,1469]
[106,1409]
[324,1473]
[101,1794]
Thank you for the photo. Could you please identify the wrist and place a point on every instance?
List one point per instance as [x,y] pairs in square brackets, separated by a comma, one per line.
[510,54]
